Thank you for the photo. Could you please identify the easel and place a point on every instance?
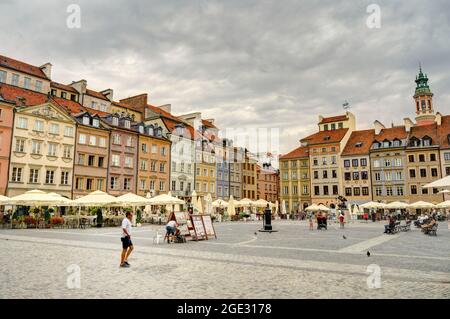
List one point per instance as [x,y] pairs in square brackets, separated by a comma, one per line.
[183,224]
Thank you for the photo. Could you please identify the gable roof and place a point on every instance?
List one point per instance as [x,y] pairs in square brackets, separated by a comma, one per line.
[444,131]
[299,152]
[21,96]
[332,119]
[353,146]
[430,130]
[392,133]
[22,67]
[326,137]
[64,87]
[208,124]
[96,94]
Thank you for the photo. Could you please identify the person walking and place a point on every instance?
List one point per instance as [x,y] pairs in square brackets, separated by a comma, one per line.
[341,220]
[127,245]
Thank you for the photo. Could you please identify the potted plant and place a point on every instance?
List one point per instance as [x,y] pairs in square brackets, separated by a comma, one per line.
[99,214]
[56,221]
[30,221]
[138,217]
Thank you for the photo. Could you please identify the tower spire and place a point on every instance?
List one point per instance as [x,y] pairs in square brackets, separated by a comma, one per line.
[424,99]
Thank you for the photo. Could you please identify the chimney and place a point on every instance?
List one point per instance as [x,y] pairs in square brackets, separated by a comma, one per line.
[47,69]
[320,120]
[108,93]
[378,127]
[408,124]
[167,108]
[80,86]
[138,102]
[438,119]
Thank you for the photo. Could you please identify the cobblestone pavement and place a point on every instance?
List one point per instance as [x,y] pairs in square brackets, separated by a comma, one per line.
[291,263]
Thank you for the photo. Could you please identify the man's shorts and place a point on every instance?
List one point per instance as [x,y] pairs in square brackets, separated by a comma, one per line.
[126,242]
[170,230]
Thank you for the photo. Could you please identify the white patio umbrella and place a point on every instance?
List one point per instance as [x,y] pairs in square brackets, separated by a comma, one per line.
[133,200]
[220,203]
[231,209]
[199,205]
[95,199]
[246,202]
[323,208]
[283,208]
[445,204]
[374,205]
[445,191]
[194,200]
[422,205]
[397,205]
[262,203]
[277,204]
[440,183]
[165,199]
[208,204]
[4,200]
[312,208]
[37,198]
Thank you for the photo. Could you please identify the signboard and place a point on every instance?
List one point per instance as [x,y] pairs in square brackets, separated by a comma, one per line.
[182,221]
[209,228]
[199,227]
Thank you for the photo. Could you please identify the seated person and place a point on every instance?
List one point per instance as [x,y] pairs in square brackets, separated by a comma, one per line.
[429,225]
[172,229]
[389,227]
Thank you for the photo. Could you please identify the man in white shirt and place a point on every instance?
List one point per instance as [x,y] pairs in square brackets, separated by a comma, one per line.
[127,245]
[171,229]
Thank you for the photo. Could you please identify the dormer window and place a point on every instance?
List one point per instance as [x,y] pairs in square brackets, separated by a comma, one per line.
[141,129]
[159,132]
[96,123]
[127,124]
[396,143]
[150,130]
[426,141]
[359,144]
[326,138]
[376,145]
[115,120]
[86,120]
[386,144]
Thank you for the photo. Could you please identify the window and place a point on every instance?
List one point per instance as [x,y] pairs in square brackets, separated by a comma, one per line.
[387,176]
[102,142]
[365,191]
[294,189]
[335,190]
[315,161]
[355,176]
[347,163]
[333,160]
[387,163]
[80,159]
[163,151]
[101,161]
[39,86]
[447,156]
[53,92]
[127,124]
[78,183]
[34,176]
[421,157]
[378,176]
[325,174]
[357,191]
[144,148]
[89,184]
[400,191]
[129,142]
[116,139]
[398,176]
[316,190]
[22,123]
[447,171]
[36,147]
[3,76]
[127,183]
[411,158]
[376,163]
[15,80]
[153,166]
[103,107]
[65,178]
[412,173]
[432,157]
[91,160]
[305,189]
[54,128]
[20,145]
[115,160]
[73,97]
[174,186]
[355,163]
[363,162]
[52,149]
[92,140]
[424,191]
[286,190]
[348,176]
[143,165]
[325,190]
[64,95]
[333,174]
[128,162]
[142,184]
[413,190]
[423,172]
[50,177]
[162,186]
[364,175]
[434,172]
[94,106]
[82,139]
[86,120]
[389,191]
[115,121]
[39,126]
[154,149]
[325,127]
[162,167]
[68,131]
[16,175]
[27,83]
[114,183]
[348,191]
[316,174]
[378,191]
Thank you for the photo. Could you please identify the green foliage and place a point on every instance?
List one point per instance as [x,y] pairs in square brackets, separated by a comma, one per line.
[138,216]
[244,215]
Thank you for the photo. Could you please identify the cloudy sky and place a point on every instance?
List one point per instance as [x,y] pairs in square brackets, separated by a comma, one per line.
[265,64]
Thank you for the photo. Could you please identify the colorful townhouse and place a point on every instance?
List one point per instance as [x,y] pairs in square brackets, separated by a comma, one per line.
[268,185]
[295,181]
[235,166]
[249,176]
[42,145]
[355,164]
[153,160]
[123,154]
[6,133]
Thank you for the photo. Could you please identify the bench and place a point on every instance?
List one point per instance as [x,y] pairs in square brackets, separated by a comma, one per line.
[406,227]
[432,231]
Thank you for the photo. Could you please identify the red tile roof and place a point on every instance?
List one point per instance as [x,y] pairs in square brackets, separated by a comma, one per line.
[300,152]
[208,124]
[14,94]
[332,119]
[64,87]
[326,137]
[97,95]
[392,133]
[22,67]
[170,124]
[359,143]
[76,108]
[429,130]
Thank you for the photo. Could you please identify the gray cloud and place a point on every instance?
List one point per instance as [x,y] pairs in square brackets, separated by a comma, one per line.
[245,63]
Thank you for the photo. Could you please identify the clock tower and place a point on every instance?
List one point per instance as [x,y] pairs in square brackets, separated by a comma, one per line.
[424,100]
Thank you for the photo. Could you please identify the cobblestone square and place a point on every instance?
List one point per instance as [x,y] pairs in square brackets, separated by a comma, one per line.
[291,263]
